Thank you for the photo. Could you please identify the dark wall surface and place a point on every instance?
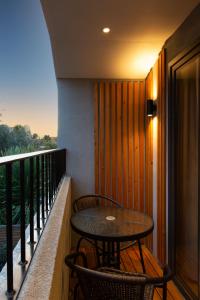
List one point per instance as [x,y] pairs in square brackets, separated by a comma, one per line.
[187,35]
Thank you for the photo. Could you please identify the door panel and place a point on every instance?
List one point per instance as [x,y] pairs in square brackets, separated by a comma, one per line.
[186,166]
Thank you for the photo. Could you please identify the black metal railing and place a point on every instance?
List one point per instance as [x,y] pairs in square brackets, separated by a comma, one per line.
[30,183]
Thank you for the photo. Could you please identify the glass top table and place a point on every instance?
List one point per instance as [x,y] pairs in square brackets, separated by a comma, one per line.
[112,224]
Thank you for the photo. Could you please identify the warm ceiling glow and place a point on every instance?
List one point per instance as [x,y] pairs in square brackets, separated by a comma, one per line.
[106,30]
[143,62]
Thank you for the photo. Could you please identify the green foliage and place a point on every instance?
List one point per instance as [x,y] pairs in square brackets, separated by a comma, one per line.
[13,141]
[5,137]
[18,139]
[15,193]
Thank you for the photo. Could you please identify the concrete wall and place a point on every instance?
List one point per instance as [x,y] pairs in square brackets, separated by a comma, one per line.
[48,277]
[76,131]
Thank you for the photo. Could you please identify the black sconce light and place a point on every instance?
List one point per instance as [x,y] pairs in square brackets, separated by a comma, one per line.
[151,107]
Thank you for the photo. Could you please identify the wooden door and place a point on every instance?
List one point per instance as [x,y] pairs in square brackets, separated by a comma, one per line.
[184,175]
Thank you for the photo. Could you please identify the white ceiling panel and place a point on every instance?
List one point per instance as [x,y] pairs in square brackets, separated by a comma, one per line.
[138,32]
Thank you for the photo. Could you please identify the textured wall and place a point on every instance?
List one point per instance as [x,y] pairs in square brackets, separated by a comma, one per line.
[76,131]
[48,278]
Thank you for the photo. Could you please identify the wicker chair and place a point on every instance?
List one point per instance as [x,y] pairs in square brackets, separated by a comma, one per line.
[93,200]
[111,284]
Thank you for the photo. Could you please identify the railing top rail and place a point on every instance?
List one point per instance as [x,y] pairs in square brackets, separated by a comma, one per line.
[12,158]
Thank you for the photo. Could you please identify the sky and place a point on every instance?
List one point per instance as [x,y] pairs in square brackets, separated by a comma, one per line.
[28,90]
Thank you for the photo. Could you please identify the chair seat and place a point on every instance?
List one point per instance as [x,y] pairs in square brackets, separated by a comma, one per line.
[149,288]
[111,284]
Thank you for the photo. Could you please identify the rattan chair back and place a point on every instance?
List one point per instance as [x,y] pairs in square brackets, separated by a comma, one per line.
[110,284]
[93,200]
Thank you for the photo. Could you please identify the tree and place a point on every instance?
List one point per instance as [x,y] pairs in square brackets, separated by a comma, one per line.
[48,143]
[5,138]
[21,136]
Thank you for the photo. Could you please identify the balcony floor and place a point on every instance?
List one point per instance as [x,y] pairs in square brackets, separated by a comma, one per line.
[130,262]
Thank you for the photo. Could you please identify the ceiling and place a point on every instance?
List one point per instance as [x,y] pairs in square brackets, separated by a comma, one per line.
[138,32]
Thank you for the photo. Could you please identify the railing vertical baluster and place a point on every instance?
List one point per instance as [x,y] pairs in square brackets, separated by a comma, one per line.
[46,182]
[22,215]
[64,161]
[42,182]
[49,178]
[9,231]
[38,190]
[42,185]
[54,174]
[56,171]
[31,207]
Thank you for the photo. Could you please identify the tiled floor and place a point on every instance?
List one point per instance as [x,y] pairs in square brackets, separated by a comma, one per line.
[130,262]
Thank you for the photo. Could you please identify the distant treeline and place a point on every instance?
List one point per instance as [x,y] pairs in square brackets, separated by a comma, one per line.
[19,139]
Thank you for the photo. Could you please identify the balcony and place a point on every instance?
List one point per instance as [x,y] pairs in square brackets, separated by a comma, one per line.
[147,161]
[46,240]
[31,182]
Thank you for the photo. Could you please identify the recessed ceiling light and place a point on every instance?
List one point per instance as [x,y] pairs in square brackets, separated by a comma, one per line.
[106,30]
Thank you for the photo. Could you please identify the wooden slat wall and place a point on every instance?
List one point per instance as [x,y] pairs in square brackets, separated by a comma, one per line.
[124,146]
[161,160]
[159,70]
[149,157]
[119,141]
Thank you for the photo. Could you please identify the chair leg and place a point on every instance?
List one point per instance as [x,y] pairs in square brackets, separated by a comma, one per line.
[165,291]
[77,250]
[78,244]
[97,254]
[76,291]
[141,256]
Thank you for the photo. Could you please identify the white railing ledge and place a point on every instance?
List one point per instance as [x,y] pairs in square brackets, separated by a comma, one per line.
[47,277]
[12,158]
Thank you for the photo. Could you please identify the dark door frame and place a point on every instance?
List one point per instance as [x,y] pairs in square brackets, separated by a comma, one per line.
[176,63]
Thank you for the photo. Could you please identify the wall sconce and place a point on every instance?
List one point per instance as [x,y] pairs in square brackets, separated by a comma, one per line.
[151,107]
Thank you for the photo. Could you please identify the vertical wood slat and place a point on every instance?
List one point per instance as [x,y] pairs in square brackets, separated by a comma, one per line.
[119,144]
[130,144]
[141,145]
[136,145]
[113,139]
[102,139]
[161,161]
[149,158]
[96,135]
[107,141]
[125,144]
[119,167]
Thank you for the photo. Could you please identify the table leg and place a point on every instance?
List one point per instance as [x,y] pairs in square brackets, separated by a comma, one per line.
[141,256]
[104,254]
[97,254]
[118,255]
[109,254]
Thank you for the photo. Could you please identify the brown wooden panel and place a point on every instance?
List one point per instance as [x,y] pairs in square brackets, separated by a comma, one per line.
[107,141]
[102,138]
[96,136]
[130,144]
[125,144]
[119,148]
[141,145]
[119,144]
[113,138]
[149,158]
[124,147]
[161,161]
[136,145]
